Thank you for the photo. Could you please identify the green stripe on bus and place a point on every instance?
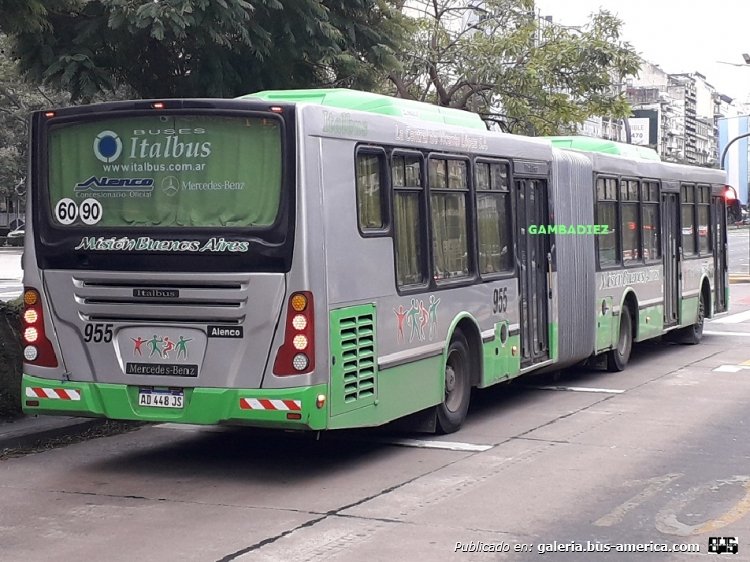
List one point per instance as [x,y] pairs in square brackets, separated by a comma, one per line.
[553,341]
[402,390]
[650,322]
[204,406]
[343,98]
[500,363]
[590,144]
[688,310]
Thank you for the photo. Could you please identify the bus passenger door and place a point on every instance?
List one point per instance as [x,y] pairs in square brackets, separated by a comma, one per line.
[534,267]
[720,254]
[670,216]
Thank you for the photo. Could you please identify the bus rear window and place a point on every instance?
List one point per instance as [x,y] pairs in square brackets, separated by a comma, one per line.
[165,171]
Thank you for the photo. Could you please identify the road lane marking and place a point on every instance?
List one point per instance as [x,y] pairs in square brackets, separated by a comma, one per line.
[733,318]
[667,519]
[417,443]
[579,389]
[737,512]
[730,334]
[729,369]
[427,444]
[656,485]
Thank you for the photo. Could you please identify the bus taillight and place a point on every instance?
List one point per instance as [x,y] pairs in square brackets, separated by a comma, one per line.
[297,354]
[734,207]
[37,348]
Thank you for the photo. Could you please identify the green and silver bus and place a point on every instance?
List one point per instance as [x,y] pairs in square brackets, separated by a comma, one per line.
[329,259]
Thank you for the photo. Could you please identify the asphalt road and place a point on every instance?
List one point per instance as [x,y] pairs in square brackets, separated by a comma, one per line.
[656,455]
[739,250]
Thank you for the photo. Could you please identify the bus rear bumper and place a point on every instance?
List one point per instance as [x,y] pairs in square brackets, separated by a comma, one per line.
[288,408]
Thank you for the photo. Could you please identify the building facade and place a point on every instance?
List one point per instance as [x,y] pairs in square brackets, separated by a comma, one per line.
[684,112]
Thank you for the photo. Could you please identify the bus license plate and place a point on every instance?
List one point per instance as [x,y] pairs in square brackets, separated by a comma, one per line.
[160,399]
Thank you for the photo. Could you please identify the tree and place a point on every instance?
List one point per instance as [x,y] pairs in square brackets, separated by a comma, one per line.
[202,48]
[17,99]
[497,58]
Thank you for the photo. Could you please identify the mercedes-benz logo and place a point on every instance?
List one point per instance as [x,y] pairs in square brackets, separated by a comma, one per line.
[170,186]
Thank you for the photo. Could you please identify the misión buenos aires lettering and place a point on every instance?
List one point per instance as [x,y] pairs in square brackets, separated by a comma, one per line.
[147,244]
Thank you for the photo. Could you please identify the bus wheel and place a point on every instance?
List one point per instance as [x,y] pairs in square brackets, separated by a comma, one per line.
[693,335]
[452,412]
[619,356]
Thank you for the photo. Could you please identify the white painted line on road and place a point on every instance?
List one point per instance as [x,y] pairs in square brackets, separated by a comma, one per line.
[730,334]
[417,443]
[427,444]
[729,369]
[579,389]
[733,318]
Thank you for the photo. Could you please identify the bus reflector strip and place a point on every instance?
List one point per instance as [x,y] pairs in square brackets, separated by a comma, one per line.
[53,393]
[265,404]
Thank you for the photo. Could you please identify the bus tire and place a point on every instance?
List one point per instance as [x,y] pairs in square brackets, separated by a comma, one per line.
[618,358]
[452,412]
[692,335]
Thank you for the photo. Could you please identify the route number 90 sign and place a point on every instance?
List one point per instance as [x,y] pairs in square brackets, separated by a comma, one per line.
[67,211]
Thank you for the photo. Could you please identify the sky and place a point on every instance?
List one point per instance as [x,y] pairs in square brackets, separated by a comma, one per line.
[677,35]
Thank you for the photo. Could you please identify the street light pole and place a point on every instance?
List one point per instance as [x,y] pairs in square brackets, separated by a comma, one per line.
[730,143]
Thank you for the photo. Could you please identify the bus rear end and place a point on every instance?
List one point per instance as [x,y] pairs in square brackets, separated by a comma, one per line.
[159,243]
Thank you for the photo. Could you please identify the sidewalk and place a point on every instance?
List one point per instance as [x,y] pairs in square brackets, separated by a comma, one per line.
[27,431]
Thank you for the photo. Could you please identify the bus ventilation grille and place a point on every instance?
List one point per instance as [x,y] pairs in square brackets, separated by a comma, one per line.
[358,355]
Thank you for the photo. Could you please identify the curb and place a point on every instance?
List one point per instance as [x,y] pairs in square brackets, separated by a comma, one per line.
[734,279]
[32,430]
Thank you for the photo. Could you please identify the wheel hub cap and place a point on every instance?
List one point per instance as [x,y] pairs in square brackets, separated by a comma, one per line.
[450,379]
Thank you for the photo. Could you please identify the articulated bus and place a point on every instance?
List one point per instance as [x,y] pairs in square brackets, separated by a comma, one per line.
[328,259]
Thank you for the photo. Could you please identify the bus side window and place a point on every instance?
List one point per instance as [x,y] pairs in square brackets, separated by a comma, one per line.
[703,207]
[494,225]
[408,219]
[371,190]
[688,220]
[651,223]
[606,214]
[631,226]
[449,191]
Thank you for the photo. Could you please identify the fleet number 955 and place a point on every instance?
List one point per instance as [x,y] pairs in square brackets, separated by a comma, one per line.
[500,300]
[97,333]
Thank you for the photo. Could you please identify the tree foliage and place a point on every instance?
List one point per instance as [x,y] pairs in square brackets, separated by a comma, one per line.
[17,99]
[497,58]
[202,48]
[491,56]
